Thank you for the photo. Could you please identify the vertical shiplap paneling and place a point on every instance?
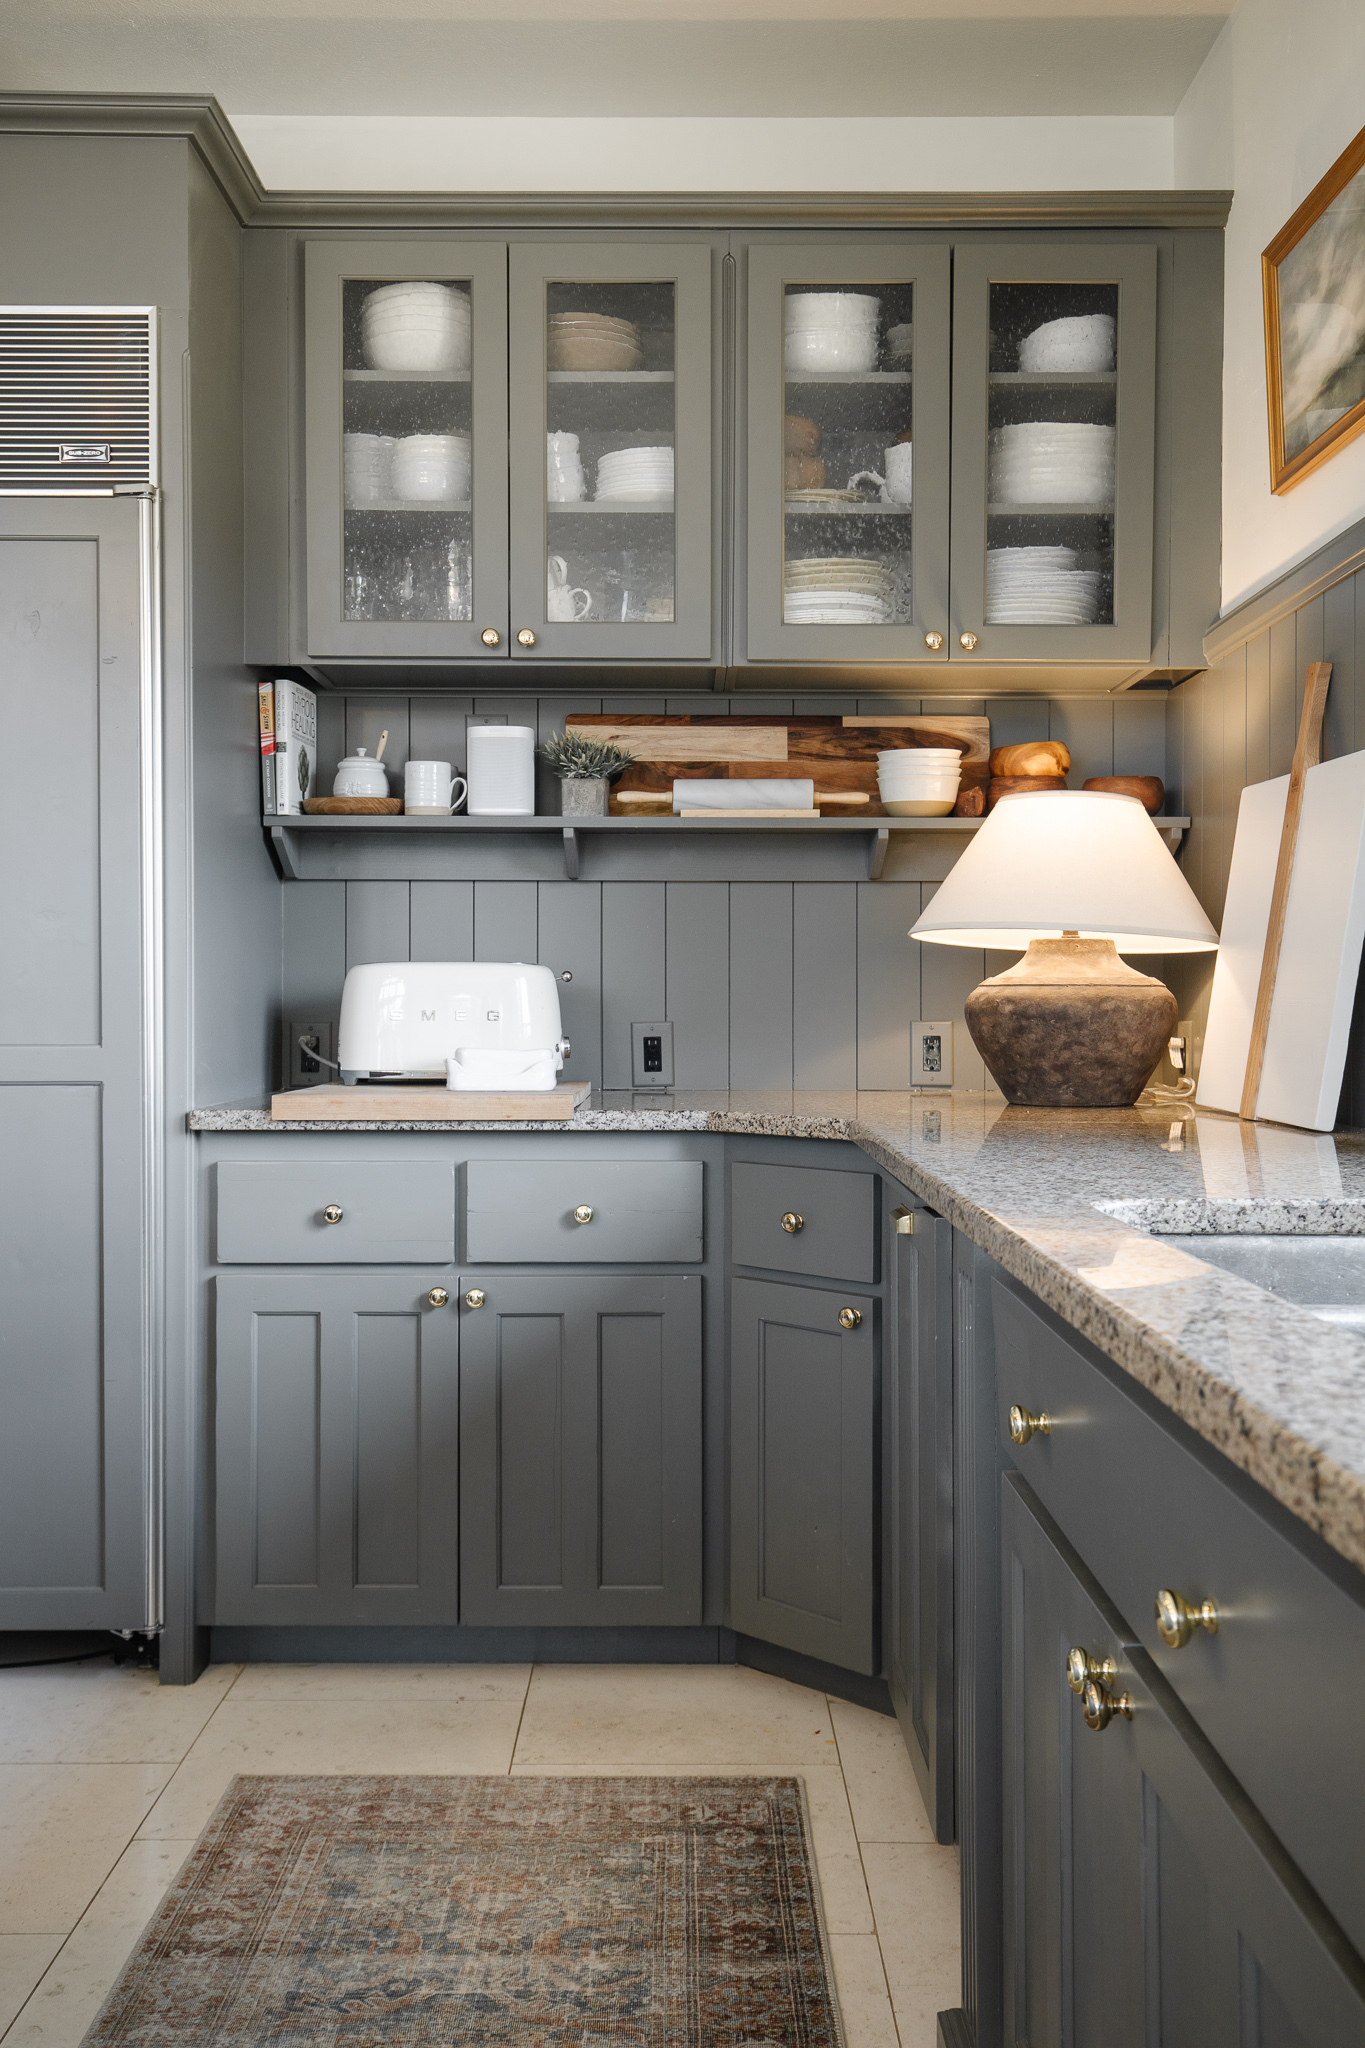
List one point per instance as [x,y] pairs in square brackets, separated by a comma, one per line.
[1258,709]
[825,985]
[551,714]
[761,988]
[1234,760]
[314,938]
[1283,705]
[570,937]
[697,971]
[367,718]
[1308,639]
[331,738]
[1016,719]
[1211,791]
[376,922]
[948,974]
[1173,772]
[436,729]
[1339,647]
[888,981]
[441,916]
[1140,733]
[1086,726]
[633,984]
[505,921]
[1201,757]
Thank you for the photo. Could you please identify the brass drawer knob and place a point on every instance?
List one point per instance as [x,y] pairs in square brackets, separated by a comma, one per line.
[791,1222]
[438,1297]
[332,1213]
[849,1318]
[490,636]
[526,638]
[1176,1620]
[967,641]
[933,641]
[1099,1706]
[583,1213]
[1081,1668]
[475,1298]
[1024,1424]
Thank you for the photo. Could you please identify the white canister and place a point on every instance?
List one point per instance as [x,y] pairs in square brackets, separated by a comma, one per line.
[502,771]
[359,775]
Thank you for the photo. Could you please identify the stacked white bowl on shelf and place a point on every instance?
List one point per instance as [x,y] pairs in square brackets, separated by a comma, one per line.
[1052,462]
[367,468]
[593,341]
[1081,342]
[635,473]
[831,330]
[417,326]
[836,590]
[432,469]
[919,782]
[1039,587]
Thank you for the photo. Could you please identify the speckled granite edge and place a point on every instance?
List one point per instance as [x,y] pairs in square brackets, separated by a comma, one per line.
[1251,1217]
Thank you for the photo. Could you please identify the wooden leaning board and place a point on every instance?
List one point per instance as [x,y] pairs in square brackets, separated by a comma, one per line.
[366,1104]
[836,753]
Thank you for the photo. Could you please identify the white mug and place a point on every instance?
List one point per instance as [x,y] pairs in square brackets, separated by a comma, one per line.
[565,481]
[429,789]
[556,572]
[894,487]
[561,603]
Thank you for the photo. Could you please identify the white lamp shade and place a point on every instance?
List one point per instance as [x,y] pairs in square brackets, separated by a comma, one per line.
[1067,860]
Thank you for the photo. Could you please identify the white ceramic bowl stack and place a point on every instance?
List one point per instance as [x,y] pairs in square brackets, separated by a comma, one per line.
[432,469]
[367,467]
[417,327]
[1052,462]
[836,590]
[635,473]
[919,782]
[593,341]
[1084,341]
[1039,587]
[831,330]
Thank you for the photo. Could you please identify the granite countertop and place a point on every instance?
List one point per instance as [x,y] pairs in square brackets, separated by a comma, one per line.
[1064,1200]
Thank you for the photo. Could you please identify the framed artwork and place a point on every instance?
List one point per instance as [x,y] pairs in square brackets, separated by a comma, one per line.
[1313,278]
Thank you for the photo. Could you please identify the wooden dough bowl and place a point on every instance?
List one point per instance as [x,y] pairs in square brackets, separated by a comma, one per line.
[1149,790]
[1020,785]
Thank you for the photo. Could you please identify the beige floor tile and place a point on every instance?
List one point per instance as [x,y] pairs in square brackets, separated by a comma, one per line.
[675,1714]
[303,1737]
[75,1987]
[915,1893]
[23,1958]
[62,1829]
[861,1985]
[881,1782]
[102,1713]
[443,1684]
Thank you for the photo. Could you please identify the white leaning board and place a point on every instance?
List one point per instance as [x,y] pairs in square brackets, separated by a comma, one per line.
[1310,1018]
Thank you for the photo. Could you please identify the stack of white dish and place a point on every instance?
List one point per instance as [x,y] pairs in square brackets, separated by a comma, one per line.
[593,341]
[831,330]
[900,342]
[367,464]
[1085,341]
[414,326]
[919,782]
[1039,587]
[635,473]
[836,590]
[432,468]
[1052,462]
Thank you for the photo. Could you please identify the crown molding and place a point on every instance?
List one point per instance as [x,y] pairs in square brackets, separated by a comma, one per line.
[198,118]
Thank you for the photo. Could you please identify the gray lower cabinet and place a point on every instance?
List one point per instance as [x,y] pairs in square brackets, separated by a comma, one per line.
[581,1449]
[1146,1900]
[336,1449]
[803,1391]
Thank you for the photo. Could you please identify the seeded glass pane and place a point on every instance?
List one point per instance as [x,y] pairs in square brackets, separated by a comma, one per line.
[847,454]
[1050,472]
[610,411]
[407,449]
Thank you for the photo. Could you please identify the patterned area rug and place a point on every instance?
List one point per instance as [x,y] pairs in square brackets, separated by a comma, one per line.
[427,1912]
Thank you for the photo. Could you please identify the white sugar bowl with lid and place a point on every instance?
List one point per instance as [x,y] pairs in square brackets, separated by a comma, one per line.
[361,775]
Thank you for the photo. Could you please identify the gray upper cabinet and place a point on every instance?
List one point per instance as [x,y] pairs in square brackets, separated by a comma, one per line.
[406,409]
[847,400]
[1054,406]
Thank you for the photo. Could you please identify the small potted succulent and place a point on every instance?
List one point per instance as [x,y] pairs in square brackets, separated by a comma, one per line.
[586,769]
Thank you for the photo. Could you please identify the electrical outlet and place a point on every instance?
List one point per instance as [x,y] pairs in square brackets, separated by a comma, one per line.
[931,1055]
[304,1066]
[651,1055]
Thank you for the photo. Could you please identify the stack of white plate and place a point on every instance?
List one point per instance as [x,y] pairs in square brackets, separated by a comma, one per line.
[432,468]
[635,473]
[919,782]
[1039,587]
[1085,341]
[831,330]
[593,341]
[1052,462]
[836,590]
[367,464]
[416,326]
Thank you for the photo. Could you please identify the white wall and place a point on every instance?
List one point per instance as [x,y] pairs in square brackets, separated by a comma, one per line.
[1276,101]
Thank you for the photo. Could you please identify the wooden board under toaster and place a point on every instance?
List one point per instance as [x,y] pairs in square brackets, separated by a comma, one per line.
[374,1103]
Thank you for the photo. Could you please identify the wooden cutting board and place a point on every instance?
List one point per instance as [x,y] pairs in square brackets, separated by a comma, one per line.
[400,1104]
[836,753]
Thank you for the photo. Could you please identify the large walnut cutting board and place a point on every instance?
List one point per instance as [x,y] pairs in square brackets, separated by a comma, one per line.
[837,753]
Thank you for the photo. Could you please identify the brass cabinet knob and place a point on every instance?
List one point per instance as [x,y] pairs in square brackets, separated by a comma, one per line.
[904,1220]
[967,640]
[438,1297]
[1099,1706]
[791,1222]
[583,1213]
[332,1213]
[526,638]
[933,641]
[849,1318]
[1176,1620]
[1025,1424]
[1081,1668]
[490,636]
[475,1298]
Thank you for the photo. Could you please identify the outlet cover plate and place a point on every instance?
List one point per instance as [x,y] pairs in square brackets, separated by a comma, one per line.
[931,1055]
[651,1054]
[301,1070]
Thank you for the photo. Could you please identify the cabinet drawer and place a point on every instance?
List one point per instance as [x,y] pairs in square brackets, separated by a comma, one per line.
[274,1212]
[640,1209]
[835,1232]
[1273,1688]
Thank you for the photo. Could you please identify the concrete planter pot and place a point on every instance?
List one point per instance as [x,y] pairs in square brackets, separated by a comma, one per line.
[584,797]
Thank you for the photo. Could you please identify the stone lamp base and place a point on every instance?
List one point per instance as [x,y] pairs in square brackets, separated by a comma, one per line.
[1071,1026]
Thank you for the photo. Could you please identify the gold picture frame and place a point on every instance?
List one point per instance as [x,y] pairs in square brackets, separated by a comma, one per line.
[1313,284]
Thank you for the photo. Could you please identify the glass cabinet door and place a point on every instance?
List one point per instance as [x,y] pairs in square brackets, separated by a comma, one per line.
[847,481]
[406,395]
[1054,382]
[612,451]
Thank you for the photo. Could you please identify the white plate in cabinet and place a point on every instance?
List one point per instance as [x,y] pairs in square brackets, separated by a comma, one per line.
[587,1212]
[313,1212]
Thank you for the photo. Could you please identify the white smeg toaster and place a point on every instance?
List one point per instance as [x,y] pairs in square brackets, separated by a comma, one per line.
[404,1019]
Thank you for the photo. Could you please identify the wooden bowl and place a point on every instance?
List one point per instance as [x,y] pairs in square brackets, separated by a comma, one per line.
[799,436]
[354,806]
[1020,785]
[1031,757]
[566,351]
[1149,790]
[803,473]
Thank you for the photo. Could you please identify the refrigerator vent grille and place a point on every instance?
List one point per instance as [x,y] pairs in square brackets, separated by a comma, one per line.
[76,398]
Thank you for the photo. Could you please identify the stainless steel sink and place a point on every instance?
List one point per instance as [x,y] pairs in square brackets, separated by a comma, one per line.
[1325,1275]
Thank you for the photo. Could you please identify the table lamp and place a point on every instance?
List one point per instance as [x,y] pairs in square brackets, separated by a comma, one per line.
[1077,877]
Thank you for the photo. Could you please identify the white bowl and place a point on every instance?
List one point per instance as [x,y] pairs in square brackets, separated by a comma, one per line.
[830,309]
[1083,341]
[831,348]
[404,349]
[919,807]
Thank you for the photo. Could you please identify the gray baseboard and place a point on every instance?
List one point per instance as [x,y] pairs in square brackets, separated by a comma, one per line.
[470,1646]
[811,1671]
[954,2030]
